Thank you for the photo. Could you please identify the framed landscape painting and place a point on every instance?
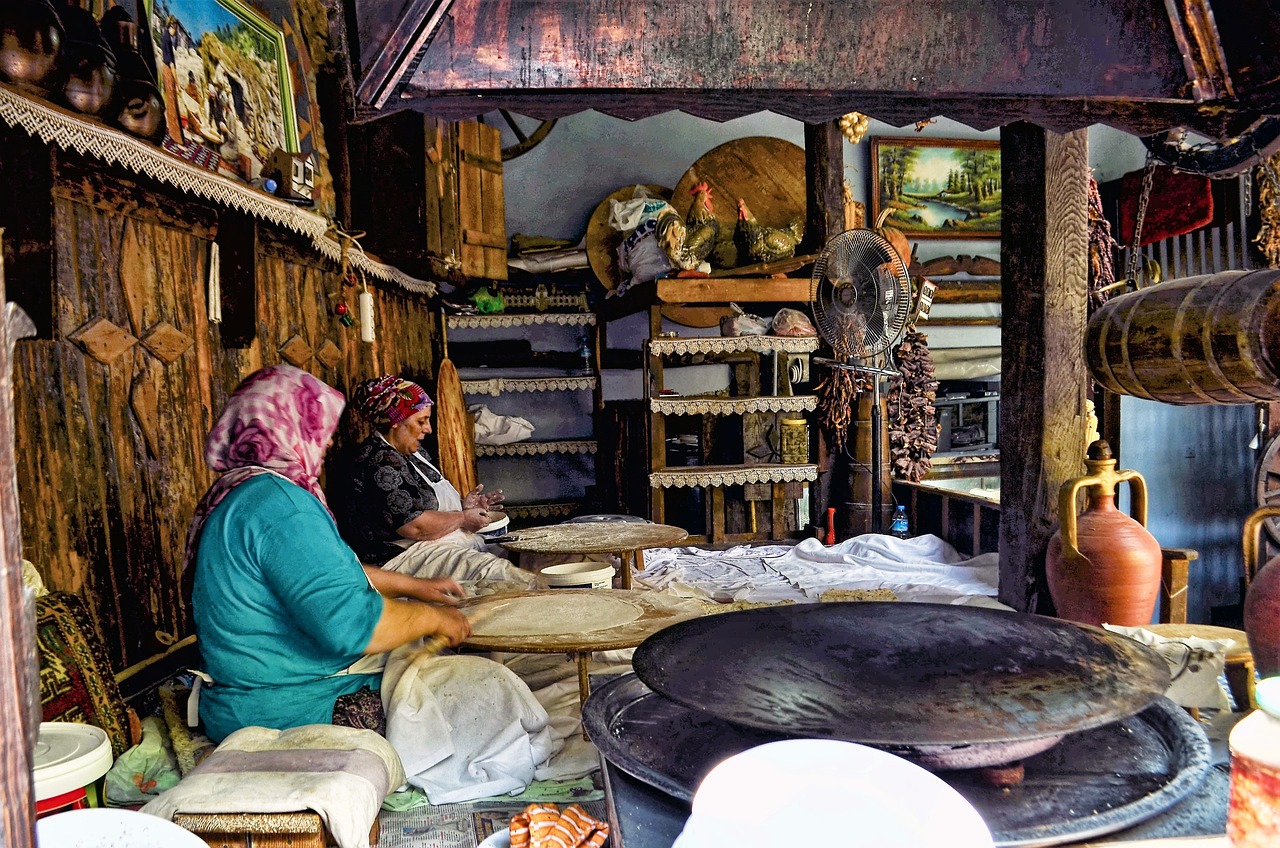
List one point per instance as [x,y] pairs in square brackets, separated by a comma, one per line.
[937,187]
[223,70]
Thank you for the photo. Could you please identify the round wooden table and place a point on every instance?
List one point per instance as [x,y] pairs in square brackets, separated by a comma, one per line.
[576,622]
[628,541]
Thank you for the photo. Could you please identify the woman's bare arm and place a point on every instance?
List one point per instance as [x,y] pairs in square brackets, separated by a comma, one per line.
[433,524]
[441,590]
[403,621]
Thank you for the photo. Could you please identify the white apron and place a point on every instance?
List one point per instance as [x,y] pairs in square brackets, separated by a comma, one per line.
[447,500]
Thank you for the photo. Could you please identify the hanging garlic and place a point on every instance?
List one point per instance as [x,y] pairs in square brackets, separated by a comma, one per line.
[854,126]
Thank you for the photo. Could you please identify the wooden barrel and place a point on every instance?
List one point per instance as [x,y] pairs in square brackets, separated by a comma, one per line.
[1212,339]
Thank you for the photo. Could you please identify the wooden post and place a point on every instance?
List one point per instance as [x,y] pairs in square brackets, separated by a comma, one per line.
[824,218]
[238,257]
[19,690]
[1044,383]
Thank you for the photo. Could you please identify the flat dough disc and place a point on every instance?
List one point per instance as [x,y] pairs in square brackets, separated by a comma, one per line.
[549,615]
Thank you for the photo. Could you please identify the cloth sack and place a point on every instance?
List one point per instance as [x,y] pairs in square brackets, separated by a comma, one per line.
[626,215]
[1179,203]
[465,727]
[1194,664]
[341,773]
[495,429]
[641,258]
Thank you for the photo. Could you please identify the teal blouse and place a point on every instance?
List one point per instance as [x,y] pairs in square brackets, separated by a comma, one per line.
[281,606]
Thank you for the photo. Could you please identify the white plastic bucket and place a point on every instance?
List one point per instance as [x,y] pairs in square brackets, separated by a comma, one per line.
[578,575]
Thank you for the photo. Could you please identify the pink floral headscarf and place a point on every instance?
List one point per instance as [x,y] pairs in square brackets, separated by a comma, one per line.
[279,421]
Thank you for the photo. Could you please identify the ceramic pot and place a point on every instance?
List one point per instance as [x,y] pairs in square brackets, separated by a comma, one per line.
[31,37]
[1103,565]
[1262,599]
[90,63]
[138,108]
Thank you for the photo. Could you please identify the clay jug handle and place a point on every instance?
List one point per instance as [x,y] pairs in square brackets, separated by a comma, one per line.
[1137,494]
[1067,514]
[1252,526]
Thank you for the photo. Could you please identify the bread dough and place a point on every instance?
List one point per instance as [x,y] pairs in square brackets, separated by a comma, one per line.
[554,615]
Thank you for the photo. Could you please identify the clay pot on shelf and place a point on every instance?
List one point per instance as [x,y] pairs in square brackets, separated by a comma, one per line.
[90,63]
[31,37]
[137,108]
[1102,565]
[1262,597]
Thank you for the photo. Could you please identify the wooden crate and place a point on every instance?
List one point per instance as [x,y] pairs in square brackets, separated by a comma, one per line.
[262,830]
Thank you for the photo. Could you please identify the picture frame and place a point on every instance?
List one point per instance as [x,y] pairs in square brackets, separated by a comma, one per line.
[225,73]
[944,188]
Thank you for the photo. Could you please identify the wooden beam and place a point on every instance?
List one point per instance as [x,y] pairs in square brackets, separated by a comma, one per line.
[1044,383]
[399,56]
[238,256]
[824,183]
[26,215]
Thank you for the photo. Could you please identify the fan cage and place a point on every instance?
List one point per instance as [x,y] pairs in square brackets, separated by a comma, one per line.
[861,294]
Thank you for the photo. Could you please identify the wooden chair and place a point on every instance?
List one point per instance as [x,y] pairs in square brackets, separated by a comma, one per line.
[1175,576]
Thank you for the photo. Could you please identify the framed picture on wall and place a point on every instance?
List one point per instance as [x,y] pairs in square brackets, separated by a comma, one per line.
[937,187]
[223,70]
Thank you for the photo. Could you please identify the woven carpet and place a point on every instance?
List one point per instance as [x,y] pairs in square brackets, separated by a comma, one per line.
[454,825]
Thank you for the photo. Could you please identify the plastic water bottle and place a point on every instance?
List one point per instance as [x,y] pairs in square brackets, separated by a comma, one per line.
[900,529]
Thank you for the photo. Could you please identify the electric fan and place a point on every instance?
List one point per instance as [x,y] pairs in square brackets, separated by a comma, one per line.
[861,296]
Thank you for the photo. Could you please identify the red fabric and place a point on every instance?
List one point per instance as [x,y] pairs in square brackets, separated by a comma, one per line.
[1179,203]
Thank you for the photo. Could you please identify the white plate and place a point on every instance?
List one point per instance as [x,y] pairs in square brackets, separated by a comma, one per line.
[808,791]
[100,826]
[499,839]
[493,526]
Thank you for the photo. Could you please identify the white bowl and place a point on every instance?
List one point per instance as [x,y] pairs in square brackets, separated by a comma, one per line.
[103,827]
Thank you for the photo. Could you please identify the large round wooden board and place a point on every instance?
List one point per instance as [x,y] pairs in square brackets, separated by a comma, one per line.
[564,620]
[455,434]
[603,240]
[768,173]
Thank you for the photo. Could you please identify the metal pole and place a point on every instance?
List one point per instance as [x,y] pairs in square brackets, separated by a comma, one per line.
[877,523]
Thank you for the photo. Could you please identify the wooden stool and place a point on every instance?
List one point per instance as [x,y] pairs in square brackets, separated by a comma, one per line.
[262,830]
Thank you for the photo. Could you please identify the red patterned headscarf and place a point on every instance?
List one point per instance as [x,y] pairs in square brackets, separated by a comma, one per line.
[388,400]
[279,421]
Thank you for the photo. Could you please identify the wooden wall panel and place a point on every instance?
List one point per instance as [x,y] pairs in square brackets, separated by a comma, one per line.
[110,453]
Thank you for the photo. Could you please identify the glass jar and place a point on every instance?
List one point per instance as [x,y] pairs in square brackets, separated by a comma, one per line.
[794,442]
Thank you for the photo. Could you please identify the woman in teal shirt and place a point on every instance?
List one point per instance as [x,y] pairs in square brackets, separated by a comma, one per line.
[283,609]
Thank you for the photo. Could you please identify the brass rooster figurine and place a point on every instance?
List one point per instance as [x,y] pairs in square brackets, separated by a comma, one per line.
[687,243]
[764,244]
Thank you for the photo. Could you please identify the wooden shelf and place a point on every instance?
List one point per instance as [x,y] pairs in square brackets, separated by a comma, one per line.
[733,344]
[692,405]
[733,289]
[532,448]
[494,386]
[706,476]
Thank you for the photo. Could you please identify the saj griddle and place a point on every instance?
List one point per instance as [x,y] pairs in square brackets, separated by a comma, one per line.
[951,687]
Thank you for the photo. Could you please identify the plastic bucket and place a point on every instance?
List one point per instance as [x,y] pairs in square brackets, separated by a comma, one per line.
[578,575]
[68,757]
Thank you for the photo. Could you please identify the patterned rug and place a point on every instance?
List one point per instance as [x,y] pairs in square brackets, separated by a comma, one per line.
[454,825]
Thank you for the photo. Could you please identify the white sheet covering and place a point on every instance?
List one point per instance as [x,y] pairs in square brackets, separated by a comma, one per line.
[924,568]
[465,727]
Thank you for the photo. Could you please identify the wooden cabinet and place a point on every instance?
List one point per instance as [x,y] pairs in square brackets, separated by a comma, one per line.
[544,367]
[429,195]
[725,462]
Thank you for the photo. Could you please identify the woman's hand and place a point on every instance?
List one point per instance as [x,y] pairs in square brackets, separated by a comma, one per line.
[477,497]
[473,518]
[451,624]
[439,590]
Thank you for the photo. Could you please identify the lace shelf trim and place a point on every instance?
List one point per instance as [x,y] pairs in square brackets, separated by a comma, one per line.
[731,475]
[475,322]
[537,448]
[549,510]
[70,131]
[732,406]
[734,344]
[498,385]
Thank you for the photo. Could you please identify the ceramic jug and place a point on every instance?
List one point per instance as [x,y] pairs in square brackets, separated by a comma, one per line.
[1103,566]
[1262,597]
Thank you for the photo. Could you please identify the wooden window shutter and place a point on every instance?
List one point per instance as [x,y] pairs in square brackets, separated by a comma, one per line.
[481,209]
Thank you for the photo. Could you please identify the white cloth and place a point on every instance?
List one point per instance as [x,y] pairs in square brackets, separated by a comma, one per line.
[465,727]
[1195,665]
[924,568]
[495,429]
[341,773]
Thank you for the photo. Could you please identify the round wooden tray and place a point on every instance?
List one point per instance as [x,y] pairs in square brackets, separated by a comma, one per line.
[651,614]
[592,538]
